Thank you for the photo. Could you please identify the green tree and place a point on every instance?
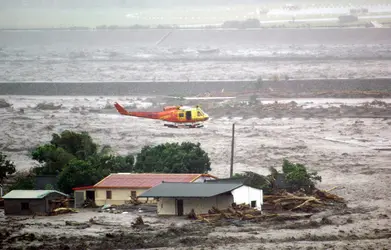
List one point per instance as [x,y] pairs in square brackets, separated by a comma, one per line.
[259,181]
[78,173]
[76,160]
[51,158]
[186,157]
[298,176]
[7,167]
[80,145]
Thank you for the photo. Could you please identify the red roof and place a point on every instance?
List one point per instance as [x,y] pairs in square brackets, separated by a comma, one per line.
[127,180]
[83,188]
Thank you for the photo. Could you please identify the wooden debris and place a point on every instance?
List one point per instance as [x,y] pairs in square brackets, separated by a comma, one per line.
[63,210]
[134,201]
[300,201]
[138,222]
[283,201]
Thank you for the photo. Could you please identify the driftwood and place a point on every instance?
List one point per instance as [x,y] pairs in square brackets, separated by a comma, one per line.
[284,201]
[300,201]
[138,222]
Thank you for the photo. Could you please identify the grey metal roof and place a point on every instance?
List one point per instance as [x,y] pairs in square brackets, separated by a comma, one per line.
[30,194]
[240,180]
[194,189]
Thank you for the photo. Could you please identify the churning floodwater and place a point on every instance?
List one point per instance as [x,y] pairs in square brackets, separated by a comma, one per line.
[186,55]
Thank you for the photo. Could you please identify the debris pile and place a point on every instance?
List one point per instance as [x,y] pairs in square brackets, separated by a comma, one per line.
[287,204]
[88,203]
[242,212]
[60,206]
[134,201]
[63,210]
[125,208]
[300,202]
[138,222]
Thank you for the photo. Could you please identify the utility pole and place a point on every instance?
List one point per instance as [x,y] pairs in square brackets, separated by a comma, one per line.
[231,173]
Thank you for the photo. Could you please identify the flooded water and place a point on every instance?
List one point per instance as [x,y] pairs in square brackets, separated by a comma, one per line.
[259,140]
[133,55]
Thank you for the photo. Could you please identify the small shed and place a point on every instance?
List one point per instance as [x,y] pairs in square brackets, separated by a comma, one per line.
[27,202]
[181,198]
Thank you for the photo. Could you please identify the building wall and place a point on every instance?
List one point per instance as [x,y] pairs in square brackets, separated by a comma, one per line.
[119,196]
[80,196]
[14,207]
[167,206]
[246,194]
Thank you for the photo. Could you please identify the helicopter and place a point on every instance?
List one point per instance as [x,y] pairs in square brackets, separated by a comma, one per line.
[178,116]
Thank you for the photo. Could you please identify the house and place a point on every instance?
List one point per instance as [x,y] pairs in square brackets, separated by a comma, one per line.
[181,198]
[26,202]
[120,188]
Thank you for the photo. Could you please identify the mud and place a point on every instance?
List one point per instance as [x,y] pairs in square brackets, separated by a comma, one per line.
[347,229]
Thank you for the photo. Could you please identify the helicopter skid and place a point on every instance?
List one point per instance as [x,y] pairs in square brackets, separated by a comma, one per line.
[194,125]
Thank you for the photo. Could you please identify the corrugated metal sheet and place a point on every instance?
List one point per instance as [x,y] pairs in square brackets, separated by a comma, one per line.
[30,194]
[190,189]
[127,180]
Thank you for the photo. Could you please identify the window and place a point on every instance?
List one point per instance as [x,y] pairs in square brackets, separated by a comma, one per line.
[133,194]
[25,206]
[253,203]
[108,195]
[199,113]
[181,115]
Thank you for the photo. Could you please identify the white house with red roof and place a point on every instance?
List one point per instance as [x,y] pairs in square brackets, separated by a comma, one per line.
[117,189]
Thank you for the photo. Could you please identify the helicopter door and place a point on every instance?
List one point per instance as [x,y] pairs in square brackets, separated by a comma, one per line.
[188,115]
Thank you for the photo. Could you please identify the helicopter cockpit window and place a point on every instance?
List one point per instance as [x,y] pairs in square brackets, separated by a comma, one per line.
[199,113]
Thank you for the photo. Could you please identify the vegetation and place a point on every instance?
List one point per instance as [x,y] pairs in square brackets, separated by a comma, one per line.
[298,177]
[173,158]
[294,177]
[77,160]
[7,167]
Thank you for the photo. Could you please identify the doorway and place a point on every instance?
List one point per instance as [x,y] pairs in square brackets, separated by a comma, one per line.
[179,207]
[90,194]
[188,115]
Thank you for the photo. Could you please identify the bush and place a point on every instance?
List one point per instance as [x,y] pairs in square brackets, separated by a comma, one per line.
[173,158]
